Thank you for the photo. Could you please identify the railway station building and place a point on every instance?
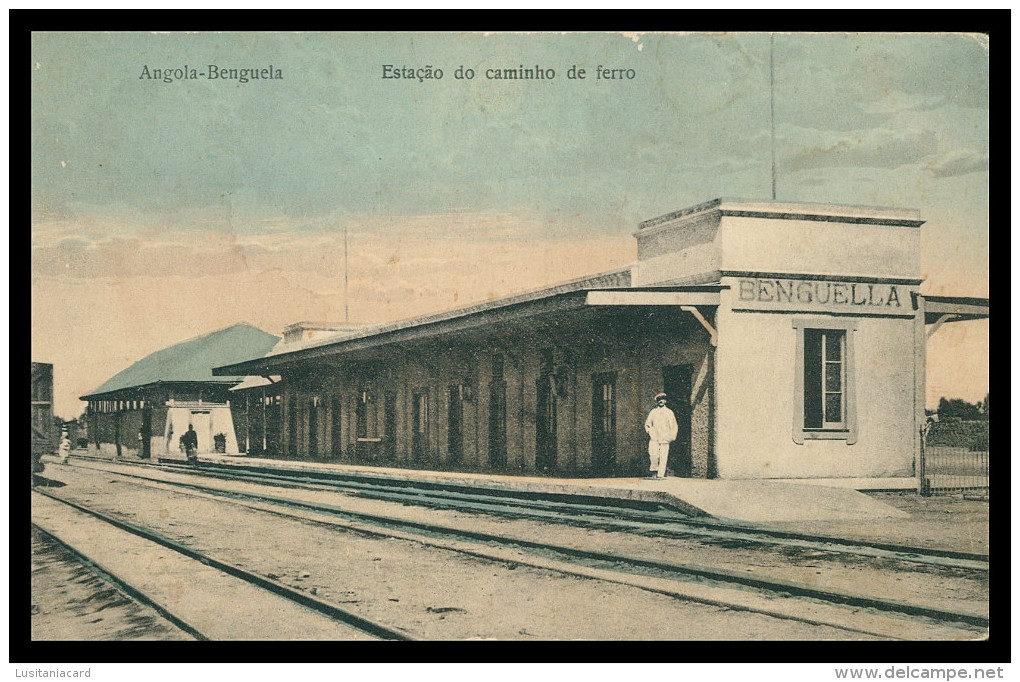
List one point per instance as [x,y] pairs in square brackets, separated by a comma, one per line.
[143,410]
[790,339]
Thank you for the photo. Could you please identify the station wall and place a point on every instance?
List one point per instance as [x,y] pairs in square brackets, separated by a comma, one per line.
[574,361]
[813,246]
[114,424]
[795,281]
[758,366]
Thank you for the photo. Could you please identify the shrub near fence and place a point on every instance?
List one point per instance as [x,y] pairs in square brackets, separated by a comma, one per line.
[953,433]
[956,457]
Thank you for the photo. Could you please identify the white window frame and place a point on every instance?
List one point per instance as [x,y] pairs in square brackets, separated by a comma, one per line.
[848,430]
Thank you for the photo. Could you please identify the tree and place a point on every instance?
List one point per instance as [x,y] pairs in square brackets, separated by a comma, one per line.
[956,408]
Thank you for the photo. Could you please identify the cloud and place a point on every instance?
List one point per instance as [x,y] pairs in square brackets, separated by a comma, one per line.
[455,226]
[876,148]
[415,248]
[897,102]
[130,258]
[847,76]
[959,162]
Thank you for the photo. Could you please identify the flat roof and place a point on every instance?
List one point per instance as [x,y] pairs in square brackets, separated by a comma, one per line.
[749,208]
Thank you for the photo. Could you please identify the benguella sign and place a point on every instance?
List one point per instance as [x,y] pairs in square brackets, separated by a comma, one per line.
[872,297]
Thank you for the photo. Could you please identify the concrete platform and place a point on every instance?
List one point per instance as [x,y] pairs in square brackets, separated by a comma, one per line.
[863,484]
[744,500]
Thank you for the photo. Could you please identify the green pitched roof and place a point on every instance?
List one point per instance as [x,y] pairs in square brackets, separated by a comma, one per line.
[194,359]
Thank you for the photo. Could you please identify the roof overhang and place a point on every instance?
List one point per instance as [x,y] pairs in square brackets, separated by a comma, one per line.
[954,309]
[255,381]
[131,392]
[673,297]
[474,319]
[687,298]
[383,335]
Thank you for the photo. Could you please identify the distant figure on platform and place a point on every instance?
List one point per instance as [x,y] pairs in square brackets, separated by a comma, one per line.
[64,449]
[661,428]
[190,442]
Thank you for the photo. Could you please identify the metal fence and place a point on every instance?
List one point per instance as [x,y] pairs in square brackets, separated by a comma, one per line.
[950,470]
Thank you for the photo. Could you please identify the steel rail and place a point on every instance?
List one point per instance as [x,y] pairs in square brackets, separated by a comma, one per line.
[626,515]
[306,600]
[127,588]
[773,585]
[663,522]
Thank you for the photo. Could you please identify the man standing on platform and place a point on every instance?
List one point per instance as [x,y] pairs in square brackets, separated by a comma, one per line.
[661,428]
[190,442]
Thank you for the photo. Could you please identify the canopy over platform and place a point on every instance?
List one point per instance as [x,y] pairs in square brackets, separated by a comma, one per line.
[574,295]
[958,308]
[256,382]
[941,309]
[681,296]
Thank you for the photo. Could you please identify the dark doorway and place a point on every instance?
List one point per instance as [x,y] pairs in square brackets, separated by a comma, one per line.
[273,423]
[146,452]
[256,423]
[455,422]
[292,405]
[313,426]
[334,431]
[497,416]
[116,430]
[390,424]
[420,426]
[676,382]
[366,429]
[603,423]
[361,415]
[545,417]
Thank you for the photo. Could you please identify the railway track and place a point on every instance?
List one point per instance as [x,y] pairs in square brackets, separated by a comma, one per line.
[78,558]
[324,609]
[605,513]
[770,596]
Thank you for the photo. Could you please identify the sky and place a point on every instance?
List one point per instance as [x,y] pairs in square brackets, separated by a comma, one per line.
[166,210]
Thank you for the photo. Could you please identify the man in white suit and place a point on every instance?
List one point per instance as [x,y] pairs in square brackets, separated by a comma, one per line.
[661,428]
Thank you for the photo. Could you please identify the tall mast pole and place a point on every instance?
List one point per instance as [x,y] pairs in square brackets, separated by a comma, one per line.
[346,310]
[772,107]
